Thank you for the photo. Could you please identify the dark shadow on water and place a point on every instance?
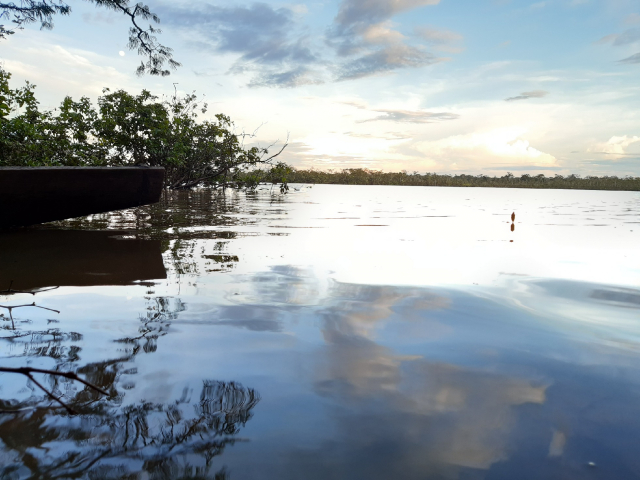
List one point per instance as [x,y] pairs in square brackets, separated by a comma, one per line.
[33,259]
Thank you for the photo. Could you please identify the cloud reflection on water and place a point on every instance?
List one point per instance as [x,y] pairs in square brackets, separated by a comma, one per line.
[392,412]
[406,413]
[440,383]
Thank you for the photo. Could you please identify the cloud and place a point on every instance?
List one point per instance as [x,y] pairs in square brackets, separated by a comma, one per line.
[99,17]
[63,70]
[435,36]
[362,30]
[629,36]
[632,59]
[275,51]
[385,60]
[607,39]
[402,116]
[632,35]
[616,145]
[287,79]
[299,8]
[267,40]
[632,19]
[445,40]
[381,34]
[367,12]
[528,95]
[412,116]
[239,29]
[387,136]
[495,148]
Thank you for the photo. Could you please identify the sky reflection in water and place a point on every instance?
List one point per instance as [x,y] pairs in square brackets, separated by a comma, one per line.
[292,338]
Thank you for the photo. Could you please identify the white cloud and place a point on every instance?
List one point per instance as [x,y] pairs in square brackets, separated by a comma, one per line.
[494,148]
[615,146]
[381,33]
[57,70]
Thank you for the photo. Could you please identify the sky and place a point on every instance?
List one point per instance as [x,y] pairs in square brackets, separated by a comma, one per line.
[447,86]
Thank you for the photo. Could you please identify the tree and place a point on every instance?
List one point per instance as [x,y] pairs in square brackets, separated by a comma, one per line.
[129,129]
[143,40]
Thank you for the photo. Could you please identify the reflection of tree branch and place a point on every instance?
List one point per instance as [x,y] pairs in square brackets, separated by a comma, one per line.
[69,410]
[27,371]
[10,308]
[10,291]
[69,375]
[165,437]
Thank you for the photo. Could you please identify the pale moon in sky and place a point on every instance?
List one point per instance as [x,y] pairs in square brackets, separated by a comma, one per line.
[121,53]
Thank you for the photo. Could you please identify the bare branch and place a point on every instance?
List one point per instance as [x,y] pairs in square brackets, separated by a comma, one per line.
[286,143]
[140,39]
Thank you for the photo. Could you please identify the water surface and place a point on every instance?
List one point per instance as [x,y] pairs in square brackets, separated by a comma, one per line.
[339,332]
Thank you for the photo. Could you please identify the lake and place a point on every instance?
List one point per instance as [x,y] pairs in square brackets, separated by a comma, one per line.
[342,332]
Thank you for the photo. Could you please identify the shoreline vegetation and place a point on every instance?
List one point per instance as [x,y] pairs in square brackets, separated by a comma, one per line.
[134,130]
[362,176]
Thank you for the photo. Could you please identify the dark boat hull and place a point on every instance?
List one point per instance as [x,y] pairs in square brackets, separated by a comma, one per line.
[34,195]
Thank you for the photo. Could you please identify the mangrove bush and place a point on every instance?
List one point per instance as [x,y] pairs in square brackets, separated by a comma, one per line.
[133,130]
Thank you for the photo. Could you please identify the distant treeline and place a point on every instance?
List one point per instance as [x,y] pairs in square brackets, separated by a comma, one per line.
[360,176]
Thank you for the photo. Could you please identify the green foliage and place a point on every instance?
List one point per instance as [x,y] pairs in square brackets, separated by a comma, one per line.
[359,176]
[130,129]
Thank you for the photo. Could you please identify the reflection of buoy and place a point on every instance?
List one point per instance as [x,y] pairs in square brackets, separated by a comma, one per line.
[513,227]
[513,217]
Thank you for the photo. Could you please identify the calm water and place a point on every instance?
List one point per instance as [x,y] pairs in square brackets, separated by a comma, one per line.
[339,332]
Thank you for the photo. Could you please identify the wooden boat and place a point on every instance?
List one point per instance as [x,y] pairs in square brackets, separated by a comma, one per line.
[31,195]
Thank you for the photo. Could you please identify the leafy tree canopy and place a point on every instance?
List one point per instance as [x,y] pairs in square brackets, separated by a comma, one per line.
[158,57]
[128,129]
